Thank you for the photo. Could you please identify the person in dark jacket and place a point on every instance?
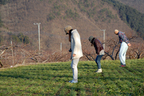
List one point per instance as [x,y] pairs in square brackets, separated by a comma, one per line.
[99,51]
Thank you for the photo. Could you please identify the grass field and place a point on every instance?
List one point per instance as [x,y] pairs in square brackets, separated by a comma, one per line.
[52,79]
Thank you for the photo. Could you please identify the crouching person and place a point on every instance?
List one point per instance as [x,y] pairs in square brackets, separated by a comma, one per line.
[76,50]
[99,51]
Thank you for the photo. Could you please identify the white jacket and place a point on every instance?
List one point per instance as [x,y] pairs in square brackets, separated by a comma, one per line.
[76,46]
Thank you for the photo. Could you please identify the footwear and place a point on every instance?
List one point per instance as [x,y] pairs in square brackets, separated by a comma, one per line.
[99,71]
[72,81]
[123,66]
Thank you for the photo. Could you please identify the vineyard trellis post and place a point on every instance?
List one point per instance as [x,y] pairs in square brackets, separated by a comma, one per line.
[38,34]
[12,53]
[103,37]
[60,46]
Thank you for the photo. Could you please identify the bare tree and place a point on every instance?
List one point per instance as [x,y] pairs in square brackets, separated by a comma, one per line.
[138,50]
[3,50]
[113,47]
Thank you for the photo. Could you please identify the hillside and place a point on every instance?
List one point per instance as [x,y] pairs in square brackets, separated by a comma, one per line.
[137,4]
[89,17]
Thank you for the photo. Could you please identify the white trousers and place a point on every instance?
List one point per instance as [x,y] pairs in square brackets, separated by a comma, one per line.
[122,53]
[74,65]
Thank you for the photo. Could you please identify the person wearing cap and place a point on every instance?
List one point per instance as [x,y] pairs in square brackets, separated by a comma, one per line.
[76,50]
[123,47]
[99,51]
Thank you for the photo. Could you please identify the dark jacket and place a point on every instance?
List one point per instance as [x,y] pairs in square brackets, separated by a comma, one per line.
[98,45]
[122,37]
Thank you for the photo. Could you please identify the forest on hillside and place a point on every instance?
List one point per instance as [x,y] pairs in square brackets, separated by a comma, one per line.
[2,2]
[136,4]
[131,16]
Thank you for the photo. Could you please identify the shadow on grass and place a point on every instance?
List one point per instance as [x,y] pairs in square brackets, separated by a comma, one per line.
[41,77]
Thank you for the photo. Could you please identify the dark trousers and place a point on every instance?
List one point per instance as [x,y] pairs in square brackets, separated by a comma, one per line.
[97,60]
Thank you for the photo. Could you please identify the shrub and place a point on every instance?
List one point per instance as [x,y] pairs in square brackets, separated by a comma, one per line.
[19,38]
[50,17]
[3,1]
[71,14]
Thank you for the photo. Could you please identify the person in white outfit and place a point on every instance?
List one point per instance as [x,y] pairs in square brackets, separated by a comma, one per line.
[124,46]
[76,50]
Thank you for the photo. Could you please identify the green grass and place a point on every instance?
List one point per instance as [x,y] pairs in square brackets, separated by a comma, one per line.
[52,79]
